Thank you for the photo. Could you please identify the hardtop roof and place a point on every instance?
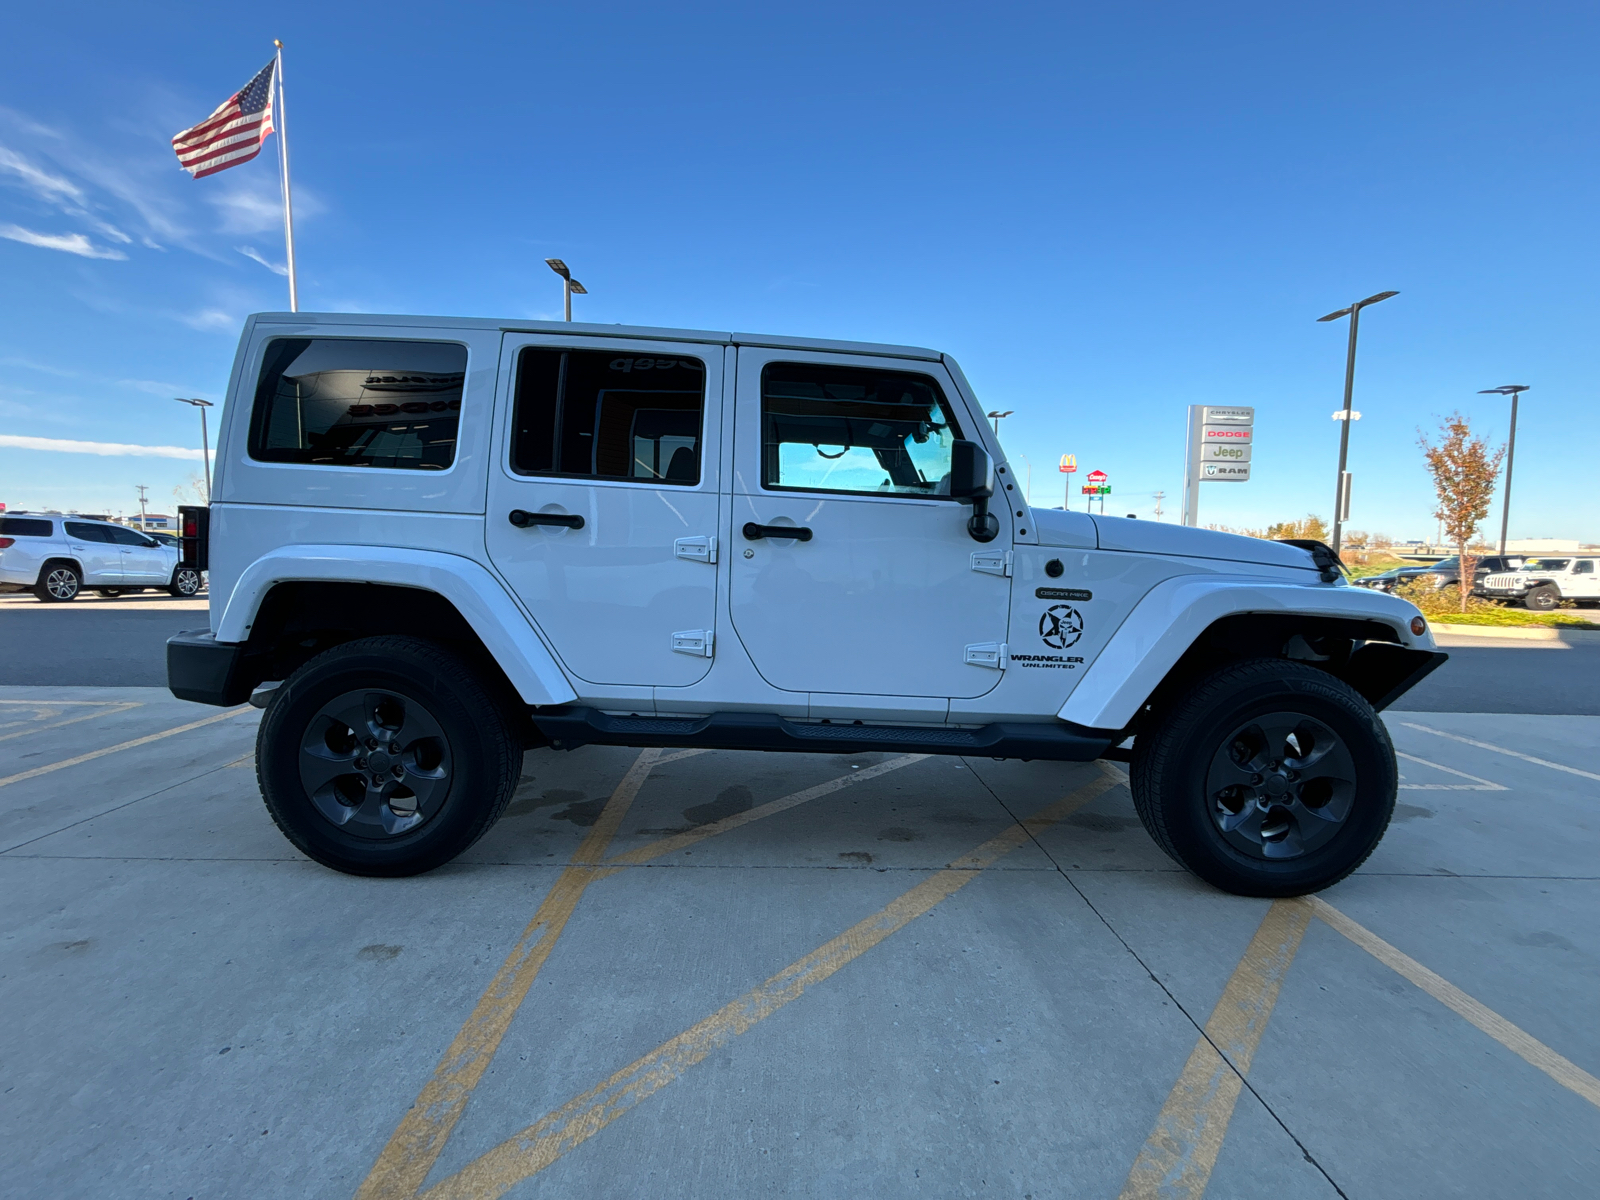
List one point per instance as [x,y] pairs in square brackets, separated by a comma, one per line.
[587,330]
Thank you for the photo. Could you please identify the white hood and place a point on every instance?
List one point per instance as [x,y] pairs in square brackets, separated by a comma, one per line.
[1081,531]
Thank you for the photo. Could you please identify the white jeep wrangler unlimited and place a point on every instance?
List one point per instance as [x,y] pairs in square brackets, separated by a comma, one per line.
[1543,583]
[434,543]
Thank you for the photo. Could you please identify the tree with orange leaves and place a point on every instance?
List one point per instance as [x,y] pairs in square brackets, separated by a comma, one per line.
[1464,470]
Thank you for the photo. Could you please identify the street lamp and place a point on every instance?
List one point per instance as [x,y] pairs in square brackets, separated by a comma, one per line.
[997,416]
[1512,390]
[569,285]
[1340,493]
[205,442]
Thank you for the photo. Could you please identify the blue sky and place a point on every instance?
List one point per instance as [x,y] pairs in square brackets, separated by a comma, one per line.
[1105,212]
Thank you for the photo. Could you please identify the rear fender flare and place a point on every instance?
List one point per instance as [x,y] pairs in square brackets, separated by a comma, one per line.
[478,596]
[1174,613]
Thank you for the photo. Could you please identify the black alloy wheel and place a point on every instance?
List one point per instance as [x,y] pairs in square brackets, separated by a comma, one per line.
[1281,785]
[1266,778]
[375,763]
[58,583]
[186,582]
[386,756]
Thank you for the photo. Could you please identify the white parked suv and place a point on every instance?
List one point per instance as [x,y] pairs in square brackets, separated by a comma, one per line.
[56,557]
[437,542]
[1543,583]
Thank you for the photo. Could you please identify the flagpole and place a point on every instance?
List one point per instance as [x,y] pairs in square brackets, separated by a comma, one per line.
[282,123]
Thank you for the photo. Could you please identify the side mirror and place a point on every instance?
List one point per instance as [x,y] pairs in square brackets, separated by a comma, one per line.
[972,482]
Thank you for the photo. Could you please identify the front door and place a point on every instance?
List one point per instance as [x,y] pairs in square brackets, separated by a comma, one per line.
[603,504]
[888,594]
[143,560]
[92,545]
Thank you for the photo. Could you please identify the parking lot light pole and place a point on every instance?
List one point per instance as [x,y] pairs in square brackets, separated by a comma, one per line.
[205,442]
[569,285]
[997,416]
[1354,313]
[1513,390]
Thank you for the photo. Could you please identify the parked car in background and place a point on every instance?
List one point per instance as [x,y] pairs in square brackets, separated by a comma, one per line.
[1442,574]
[55,557]
[1543,583]
[1387,581]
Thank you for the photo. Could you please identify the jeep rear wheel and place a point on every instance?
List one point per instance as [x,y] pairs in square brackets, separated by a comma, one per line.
[385,757]
[1268,778]
[1543,599]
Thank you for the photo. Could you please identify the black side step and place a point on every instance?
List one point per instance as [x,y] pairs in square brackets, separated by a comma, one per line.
[568,728]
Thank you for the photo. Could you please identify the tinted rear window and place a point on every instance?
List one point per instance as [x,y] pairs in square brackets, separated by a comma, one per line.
[24,527]
[352,402]
[86,532]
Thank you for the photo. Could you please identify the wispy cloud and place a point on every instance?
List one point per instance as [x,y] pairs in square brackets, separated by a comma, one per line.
[71,243]
[252,253]
[156,387]
[38,180]
[105,449]
[211,320]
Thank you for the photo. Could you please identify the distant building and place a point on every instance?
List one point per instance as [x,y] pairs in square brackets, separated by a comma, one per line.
[1543,546]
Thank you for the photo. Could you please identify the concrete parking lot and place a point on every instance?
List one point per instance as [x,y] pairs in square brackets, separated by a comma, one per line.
[723,974]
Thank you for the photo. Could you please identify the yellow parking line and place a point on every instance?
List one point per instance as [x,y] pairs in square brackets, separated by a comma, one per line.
[547,1139]
[689,837]
[1543,762]
[1568,1074]
[1182,1149]
[421,1136]
[424,1130]
[106,709]
[143,741]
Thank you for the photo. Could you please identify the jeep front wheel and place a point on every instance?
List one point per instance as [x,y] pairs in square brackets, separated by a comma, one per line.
[1268,778]
[1543,599]
[385,756]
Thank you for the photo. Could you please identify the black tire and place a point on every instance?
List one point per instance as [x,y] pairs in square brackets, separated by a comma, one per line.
[460,754]
[1543,599]
[186,582]
[109,593]
[1299,842]
[58,583]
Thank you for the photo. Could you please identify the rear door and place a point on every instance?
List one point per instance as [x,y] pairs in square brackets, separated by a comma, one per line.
[888,594]
[603,503]
[99,555]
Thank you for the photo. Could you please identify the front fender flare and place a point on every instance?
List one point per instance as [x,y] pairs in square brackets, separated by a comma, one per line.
[478,596]
[1174,613]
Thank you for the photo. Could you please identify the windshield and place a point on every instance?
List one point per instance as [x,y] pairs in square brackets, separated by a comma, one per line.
[1546,564]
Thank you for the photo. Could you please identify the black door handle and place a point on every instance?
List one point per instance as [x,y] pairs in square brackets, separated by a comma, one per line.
[522,519]
[755,533]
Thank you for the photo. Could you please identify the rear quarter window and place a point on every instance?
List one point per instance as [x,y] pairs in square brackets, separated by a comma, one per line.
[358,402]
[25,527]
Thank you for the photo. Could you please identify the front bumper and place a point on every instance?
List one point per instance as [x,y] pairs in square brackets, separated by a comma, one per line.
[207,671]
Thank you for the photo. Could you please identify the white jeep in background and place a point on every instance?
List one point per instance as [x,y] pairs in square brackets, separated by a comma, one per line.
[1543,583]
[435,543]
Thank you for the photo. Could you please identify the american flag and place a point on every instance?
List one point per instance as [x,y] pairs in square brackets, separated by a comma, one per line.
[231,135]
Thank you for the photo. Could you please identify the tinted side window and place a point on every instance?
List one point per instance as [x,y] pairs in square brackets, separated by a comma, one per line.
[86,532]
[608,416]
[124,536]
[353,402]
[850,429]
[24,527]
[1583,567]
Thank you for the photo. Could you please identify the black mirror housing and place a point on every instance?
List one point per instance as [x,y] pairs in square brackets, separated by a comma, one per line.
[972,482]
[971,471]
